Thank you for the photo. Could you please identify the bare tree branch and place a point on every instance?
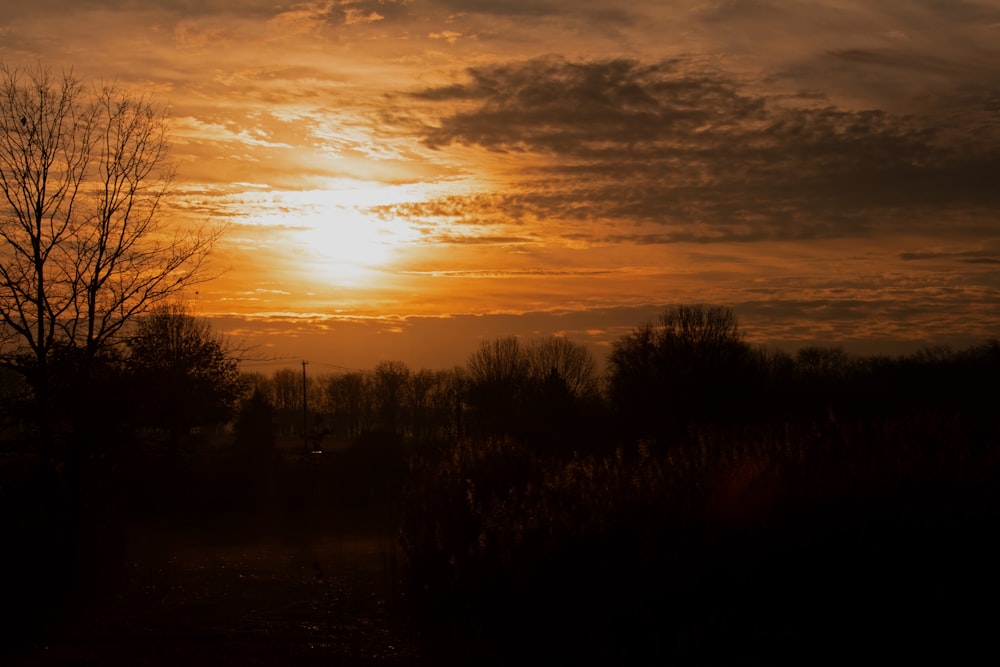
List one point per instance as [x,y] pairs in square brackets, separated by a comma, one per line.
[84,249]
[44,156]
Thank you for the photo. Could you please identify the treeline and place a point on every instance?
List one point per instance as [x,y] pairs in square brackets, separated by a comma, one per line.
[173,377]
[700,497]
[509,387]
[738,503]
[663,381]
[168,376]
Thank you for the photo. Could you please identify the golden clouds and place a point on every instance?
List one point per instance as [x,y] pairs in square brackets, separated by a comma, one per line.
[485,156]
[301,19]
[354,15]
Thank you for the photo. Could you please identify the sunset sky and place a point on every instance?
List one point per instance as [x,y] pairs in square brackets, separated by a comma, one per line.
[400,179]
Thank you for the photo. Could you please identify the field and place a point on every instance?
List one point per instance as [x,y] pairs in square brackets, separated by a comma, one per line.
[806,541]
[188,568]
[189,600]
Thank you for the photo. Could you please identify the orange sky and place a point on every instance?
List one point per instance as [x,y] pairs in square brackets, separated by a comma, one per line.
[400,179]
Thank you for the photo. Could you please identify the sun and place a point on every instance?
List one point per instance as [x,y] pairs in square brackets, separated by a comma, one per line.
[347,248]
[342,241]
[343,234]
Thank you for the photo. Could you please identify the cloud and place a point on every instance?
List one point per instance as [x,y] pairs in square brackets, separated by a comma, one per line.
[910,61]
[302,18]
[192,129]
[593,9]
[354,15]
[506,273]
[707,155]
[446,238]
[978,256]
[449,36]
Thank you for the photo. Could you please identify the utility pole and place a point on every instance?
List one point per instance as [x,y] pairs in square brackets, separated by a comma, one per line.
[305,411]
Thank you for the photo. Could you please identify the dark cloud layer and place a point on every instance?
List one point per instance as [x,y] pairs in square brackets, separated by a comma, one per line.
[710,157]
[182,7]
[528,9]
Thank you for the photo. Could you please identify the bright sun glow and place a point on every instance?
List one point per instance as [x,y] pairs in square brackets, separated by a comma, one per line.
[334,236]
[342,242]
[345,246]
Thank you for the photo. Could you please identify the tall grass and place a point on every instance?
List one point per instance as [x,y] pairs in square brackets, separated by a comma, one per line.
[737,540]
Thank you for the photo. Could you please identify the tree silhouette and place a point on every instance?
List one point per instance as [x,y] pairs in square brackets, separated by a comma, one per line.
[348,397]
[82,248]
[185,375]
[255,426]
[498,375]
[286,386]
[571,362]
[390,384]
[563,395]
[691,366]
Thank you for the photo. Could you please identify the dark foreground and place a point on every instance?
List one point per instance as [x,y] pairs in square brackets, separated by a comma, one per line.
[203,561]
[763,549]
[189,599]
[186,599]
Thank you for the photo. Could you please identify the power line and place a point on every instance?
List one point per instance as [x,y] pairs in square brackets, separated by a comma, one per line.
[277,360]
[266,362]
[343,368]
[305,410]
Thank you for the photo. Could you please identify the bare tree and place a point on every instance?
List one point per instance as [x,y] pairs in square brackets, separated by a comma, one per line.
[498,381]
[499,362]
[571,362]
[693,365]
[83,250]
[710,329]
[286,384]
[44,154]
[390,382]
[124,259]
[349,397]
